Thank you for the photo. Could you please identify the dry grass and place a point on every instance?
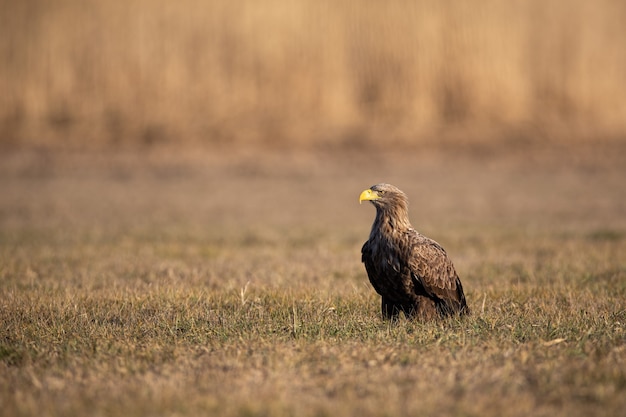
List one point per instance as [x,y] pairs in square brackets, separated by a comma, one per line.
[225,280]
[145,285]
[93,73]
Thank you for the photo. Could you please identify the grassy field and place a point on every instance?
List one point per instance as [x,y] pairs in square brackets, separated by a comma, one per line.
[179,225]
[231,285]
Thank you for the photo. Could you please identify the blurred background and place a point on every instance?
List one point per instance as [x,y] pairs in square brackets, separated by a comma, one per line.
[93,74]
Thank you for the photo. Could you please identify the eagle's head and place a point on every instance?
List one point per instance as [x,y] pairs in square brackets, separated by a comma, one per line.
[385,197]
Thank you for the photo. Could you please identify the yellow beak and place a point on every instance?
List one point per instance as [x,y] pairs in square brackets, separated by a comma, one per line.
[368,195]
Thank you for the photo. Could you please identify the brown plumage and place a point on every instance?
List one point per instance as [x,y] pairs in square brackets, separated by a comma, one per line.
[411,272]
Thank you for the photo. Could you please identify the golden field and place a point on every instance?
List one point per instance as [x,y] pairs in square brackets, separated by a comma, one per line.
[83,74]
[180,231]
[139,284]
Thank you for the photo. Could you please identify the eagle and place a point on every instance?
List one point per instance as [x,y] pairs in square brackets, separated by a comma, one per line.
[412,273]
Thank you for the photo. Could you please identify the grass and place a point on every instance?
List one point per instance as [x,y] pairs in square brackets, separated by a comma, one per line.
[193,286]
[213,272]
[190,350]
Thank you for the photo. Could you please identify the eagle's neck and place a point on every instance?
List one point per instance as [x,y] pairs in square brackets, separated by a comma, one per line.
[391,222]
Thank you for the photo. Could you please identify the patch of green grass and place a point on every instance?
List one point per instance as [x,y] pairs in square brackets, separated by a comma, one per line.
[606,234]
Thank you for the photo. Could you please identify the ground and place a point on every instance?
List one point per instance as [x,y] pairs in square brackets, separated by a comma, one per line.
[230,283]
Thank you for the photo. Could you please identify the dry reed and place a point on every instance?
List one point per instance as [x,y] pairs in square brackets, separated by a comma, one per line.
[309,73]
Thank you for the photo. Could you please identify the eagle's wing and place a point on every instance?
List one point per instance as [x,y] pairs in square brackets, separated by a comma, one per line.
[366,258]
[432,269]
